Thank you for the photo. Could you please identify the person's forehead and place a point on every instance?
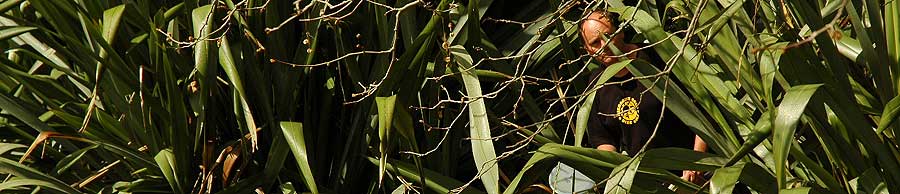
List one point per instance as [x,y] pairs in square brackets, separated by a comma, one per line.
[596,20]
[594,26]
[598,16]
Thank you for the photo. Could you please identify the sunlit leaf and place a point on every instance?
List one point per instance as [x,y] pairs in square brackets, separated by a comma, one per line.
[788,116]
[479,130]
[293,132]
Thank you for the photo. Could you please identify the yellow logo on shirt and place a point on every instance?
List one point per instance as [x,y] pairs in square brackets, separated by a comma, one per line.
[627,111]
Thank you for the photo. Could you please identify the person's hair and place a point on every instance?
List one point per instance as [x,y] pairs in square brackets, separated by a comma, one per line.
[613,17]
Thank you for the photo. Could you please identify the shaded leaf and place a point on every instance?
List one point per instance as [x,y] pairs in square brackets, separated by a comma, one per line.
[31,176]
[6,33]
[724,179]
[435,181]
[622,177]
[889,116]
[167,164]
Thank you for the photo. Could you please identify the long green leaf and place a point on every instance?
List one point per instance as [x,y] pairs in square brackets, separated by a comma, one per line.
[621,179]
[10,105]
[5,6]
[597,165]
[228,64]
[202,18]
[41,47]
[112,18]
[17,183]
[6,33]
[874,58]
[526,175]
[385,121]
[168,165]
[889,116]
[71,159]
[832,71]
[435,181]
[892,37]
[724,179]
[6,147]
[800,190]
[31,176]
[293,133]
[479,130]
[789,112]
[868,182]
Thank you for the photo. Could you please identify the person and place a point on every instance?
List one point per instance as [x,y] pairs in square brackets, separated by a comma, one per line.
[622,116]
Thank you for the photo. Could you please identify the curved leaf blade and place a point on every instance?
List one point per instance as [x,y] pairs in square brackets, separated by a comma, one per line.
[621,179]
[10,32]
[228,64]
[889,115]
[789,112]
[479,130]
[293,133]
[31,177]
[434,180]
[168,165]
[724,179]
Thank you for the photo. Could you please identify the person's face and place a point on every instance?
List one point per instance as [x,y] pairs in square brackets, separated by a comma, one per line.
[593,30]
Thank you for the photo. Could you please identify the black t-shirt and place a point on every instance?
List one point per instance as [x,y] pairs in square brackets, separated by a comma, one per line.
[629,130]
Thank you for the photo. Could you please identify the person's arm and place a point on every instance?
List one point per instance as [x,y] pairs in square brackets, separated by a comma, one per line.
[606,147]
[699,144]
[691,175]
[599,136]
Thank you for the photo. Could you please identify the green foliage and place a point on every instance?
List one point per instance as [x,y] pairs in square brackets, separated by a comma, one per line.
[438,96]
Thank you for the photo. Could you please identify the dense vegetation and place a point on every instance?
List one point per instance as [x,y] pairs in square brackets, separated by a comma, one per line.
[437,96]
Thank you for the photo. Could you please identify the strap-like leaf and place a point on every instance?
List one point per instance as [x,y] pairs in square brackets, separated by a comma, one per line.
[889,116]
[621,179]
[168,165]
[724,179]
[479,130]
[293,132]
[789,112]
[31,177]
[435,181]
[228,64]
[9,32]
